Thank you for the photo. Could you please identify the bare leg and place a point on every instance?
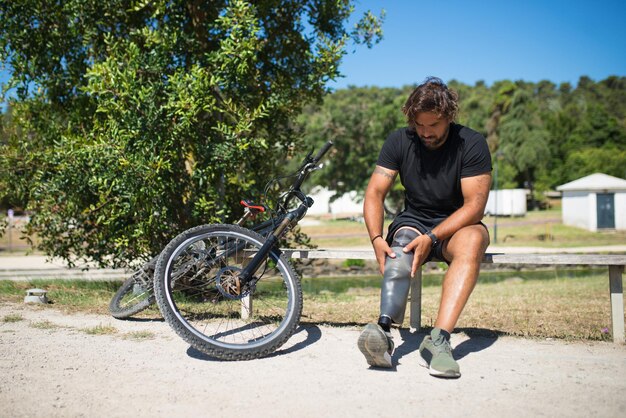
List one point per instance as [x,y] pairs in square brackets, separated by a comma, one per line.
[465,249]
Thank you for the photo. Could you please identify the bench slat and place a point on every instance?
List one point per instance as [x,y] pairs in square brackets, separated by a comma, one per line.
[490,258]
[580,259]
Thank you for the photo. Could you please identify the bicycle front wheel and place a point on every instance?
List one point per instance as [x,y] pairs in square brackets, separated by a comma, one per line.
[198,290]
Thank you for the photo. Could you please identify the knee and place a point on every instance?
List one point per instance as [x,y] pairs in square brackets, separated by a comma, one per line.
[478,239]
[469,243]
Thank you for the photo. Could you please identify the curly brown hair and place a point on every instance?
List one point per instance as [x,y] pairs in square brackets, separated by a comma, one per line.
[433,95]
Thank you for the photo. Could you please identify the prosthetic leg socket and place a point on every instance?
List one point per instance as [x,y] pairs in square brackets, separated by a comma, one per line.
[397,278]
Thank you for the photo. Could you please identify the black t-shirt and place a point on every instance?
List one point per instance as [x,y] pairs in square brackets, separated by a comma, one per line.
[432,178]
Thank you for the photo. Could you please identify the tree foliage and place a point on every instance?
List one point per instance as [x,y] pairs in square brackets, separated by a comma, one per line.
[356,120]
[544,135]
[135,119]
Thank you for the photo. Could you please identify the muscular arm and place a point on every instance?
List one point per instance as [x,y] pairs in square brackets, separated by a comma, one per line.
[373,210]
[475,193]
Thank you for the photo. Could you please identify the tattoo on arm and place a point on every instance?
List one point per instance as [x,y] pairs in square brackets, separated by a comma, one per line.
[382,172]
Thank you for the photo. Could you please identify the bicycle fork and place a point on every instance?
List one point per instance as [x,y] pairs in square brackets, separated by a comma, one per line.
[291,219]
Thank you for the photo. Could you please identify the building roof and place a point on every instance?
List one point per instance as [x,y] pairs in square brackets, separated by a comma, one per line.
[595,182]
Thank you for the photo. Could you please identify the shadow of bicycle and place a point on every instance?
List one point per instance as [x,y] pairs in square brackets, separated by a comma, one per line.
[312,335]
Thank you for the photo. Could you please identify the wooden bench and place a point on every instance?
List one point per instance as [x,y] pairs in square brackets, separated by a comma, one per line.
[615,264]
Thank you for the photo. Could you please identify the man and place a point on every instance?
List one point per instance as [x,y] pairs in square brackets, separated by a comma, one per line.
[445,169]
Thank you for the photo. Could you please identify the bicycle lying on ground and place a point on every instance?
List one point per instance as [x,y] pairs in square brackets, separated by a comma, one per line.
[227,290]
[137,292]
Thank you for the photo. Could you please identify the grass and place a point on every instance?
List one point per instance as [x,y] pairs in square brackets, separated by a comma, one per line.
[68,295]
[573,308]
[553,303]
[100,330]
[12,318]
[139,335]
[44,325]
[540,230]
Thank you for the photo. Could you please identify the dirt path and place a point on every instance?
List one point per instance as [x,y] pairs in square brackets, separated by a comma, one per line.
[50,366]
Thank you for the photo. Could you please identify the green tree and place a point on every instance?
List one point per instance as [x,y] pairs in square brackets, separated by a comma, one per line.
[358,120]
[586,161]
[589,118]
[140,118]
[523,139]
[499,107]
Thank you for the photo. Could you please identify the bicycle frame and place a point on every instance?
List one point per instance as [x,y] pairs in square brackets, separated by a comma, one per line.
[284,223]
[290,218]
[237,297]
[272,229]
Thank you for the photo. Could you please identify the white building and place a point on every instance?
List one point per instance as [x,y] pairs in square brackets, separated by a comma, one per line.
[506,202]
[595,202]
[349,204]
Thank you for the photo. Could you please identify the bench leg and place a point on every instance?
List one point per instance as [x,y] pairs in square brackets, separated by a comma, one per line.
[246,307]
[617,303]
[416,301]
[246,302]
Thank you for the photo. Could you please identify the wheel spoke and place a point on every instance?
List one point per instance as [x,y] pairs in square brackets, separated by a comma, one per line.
[203,296]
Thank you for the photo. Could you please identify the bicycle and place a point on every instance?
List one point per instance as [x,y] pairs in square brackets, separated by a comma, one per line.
[137,292]
[240,298]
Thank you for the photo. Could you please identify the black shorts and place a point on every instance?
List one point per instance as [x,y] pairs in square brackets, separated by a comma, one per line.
[436,252]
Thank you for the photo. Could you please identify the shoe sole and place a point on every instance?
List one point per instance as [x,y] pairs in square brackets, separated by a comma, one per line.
[375,349]
[438,373]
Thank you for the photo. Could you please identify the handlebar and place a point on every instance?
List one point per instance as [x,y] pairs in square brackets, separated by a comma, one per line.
[309,164]
[322,151]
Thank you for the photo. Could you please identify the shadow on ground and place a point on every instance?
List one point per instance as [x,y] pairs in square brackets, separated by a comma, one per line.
[479,339]
[313,334]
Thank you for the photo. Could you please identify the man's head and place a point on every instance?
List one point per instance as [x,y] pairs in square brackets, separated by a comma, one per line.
[429,110]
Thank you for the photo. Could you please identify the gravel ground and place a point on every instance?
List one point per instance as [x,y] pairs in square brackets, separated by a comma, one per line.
[52,366]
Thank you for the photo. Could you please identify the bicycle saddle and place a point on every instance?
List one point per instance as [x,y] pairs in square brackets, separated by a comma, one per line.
[253,207]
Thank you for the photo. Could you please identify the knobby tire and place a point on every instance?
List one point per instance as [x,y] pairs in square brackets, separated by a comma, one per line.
[190,280]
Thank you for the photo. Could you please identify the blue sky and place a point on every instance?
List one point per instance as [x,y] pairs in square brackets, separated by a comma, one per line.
[471,40]
[491,40]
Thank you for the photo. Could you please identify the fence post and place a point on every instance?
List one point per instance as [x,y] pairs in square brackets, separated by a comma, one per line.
[617,303]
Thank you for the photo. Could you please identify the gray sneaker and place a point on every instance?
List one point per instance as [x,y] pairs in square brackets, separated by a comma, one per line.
[436,355]
[376,345]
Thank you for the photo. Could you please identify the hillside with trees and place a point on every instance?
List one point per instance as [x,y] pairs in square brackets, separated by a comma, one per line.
[543,135]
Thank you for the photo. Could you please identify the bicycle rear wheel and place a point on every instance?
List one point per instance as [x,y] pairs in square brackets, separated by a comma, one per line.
[136,293]
[201,297]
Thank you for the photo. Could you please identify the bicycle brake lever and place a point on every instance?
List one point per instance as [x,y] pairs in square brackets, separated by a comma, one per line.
[310,167]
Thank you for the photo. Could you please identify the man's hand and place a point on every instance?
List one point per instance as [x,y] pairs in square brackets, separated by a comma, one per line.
[382,250]
[421,247]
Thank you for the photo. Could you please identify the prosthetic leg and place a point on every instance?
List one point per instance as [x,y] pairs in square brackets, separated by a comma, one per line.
[396,280]
[376,342]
